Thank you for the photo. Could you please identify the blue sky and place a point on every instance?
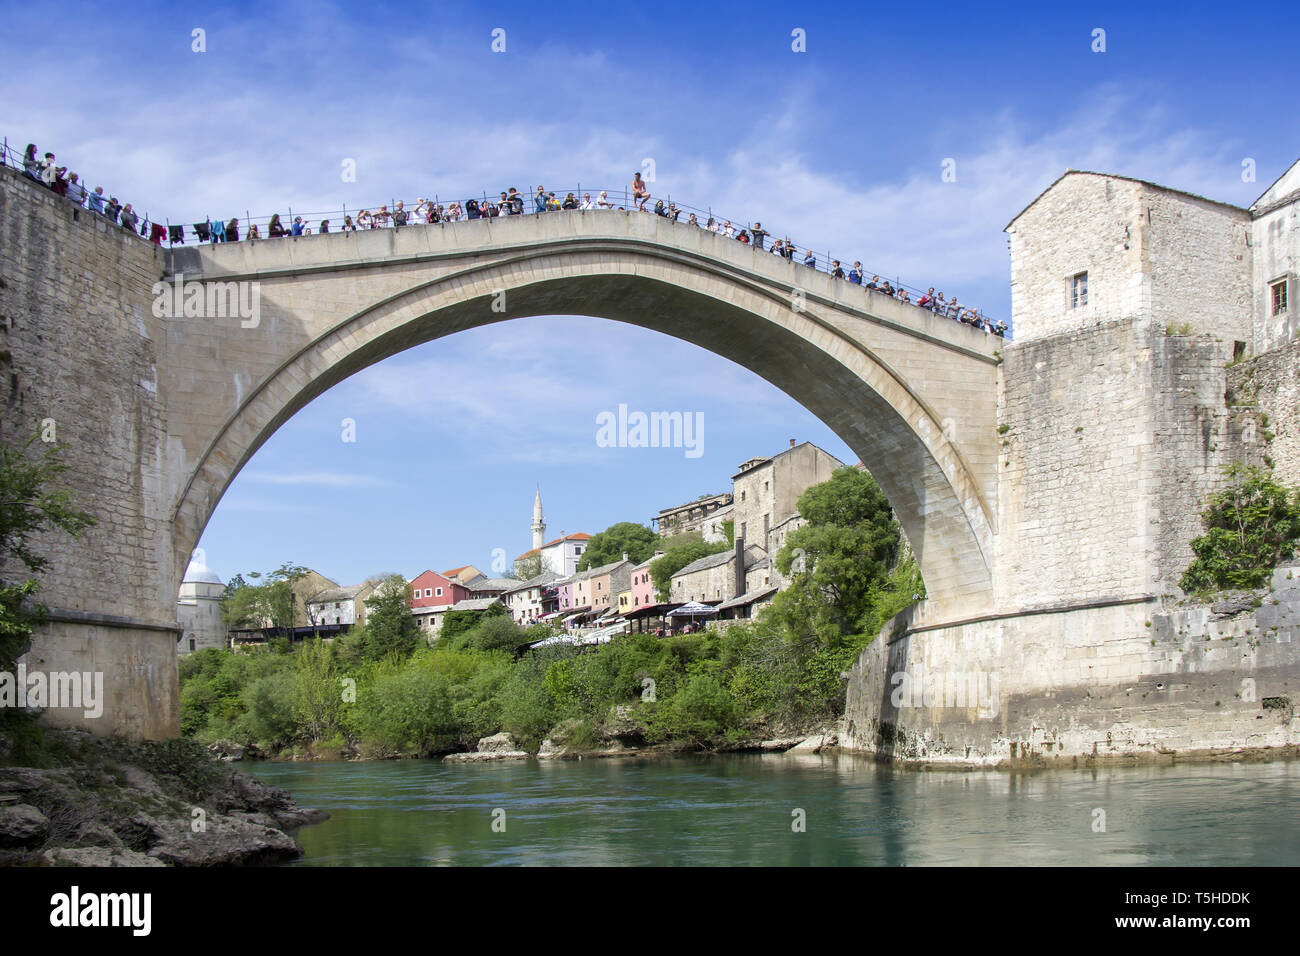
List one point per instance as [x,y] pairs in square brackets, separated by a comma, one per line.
[841,146]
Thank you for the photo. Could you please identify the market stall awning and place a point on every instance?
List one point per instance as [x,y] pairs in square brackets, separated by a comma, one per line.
[693,609]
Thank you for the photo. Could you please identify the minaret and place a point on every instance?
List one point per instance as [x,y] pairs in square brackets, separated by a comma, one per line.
[539,526]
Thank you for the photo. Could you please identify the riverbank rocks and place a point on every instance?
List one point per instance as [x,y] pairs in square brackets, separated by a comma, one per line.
[497,743]
[227,750]
[97,856]
[781,743]
[111,802]
[549,750]
[815,744]
[22,825]
[497,747]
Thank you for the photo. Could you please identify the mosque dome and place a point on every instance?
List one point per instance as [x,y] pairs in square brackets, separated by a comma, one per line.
[200,573]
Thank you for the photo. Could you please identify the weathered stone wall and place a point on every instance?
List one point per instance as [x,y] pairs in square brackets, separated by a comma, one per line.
[82,349]
[1198,256]
[1269,384]
[1121,682]
[1112,439]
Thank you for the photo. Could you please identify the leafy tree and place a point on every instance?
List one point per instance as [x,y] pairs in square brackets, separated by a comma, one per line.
[663,569]
[29,508]
[390,626]
[1251,527]
[269,601]
[318,697]
[729,529]
[609,545]
[839,559]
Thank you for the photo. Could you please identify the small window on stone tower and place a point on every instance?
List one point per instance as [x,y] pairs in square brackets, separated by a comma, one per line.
[1277,297]
[1078,290]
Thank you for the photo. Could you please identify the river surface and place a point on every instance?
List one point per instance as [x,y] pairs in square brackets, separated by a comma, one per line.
[746,810]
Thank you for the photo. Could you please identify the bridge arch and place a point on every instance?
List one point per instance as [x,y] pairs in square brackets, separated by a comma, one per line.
[910,393]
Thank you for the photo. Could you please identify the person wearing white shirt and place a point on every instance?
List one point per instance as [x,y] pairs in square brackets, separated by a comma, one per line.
[586,202]
[603,202]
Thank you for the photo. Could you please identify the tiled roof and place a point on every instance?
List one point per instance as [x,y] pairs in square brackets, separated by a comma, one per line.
[474,604]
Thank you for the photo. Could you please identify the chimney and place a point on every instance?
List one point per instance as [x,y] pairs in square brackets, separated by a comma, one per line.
[624,555]
[739,559]
[791,442]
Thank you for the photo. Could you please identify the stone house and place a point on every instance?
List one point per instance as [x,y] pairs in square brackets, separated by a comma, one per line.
[766,490]
[714,578]
[340,605]
[527,600]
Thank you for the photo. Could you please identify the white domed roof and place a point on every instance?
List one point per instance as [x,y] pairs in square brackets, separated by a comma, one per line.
[200,573]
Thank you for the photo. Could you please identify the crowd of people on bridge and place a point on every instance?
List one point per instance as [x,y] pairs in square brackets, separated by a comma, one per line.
[45,170]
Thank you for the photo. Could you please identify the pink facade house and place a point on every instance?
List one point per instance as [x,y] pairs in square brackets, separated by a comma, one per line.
[432,589]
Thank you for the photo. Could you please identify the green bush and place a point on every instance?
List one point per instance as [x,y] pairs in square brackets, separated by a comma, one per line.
[1251,527]
[408,712]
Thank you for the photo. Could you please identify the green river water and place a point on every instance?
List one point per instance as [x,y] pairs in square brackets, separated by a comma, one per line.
[744,810]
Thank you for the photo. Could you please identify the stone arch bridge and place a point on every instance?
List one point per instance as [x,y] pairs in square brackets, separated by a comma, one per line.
[1049,486]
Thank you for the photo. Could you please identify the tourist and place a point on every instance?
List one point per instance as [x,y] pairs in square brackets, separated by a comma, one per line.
[128,218]
[693,221]
[874,284]
[660,209]
[836,271]
[587,202]
[274,229]
[905,296]
[570,202]
[727,230]
[232,231]
[640,192]
[296,228]
[455,212]
[810,260]
[399,215]
[31,163]
[76,192]
[855,274]
[254,231]
[112,209]
[886,288]
[758,233]
[788,250]
[422,209]
[349,225]
[365,220]
[96,200]
[382,218]
[927,300]
[324,227]
[539,200]
[49,171]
